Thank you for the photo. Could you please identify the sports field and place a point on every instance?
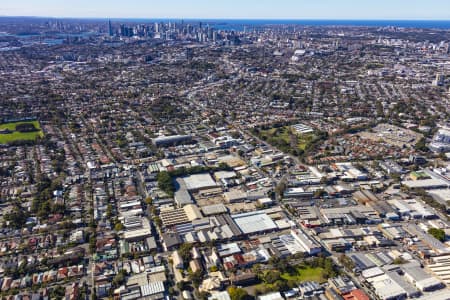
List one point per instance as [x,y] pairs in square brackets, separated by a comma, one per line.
[15,135]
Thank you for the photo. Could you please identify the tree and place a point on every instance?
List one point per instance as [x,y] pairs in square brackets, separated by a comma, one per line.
[182,285]
[281,187]
[92,244]
[171,291]
[119,279]
[213,269]
[35,204]
[299,255]
[109,210]
[319,193]
[279,264]
[58,292]
[17,217]
[185,252]
[437,233]
[347,262]
[165,183]
[421,145]
[196,278]
[158,221]
[149,200]
[329,268]
[271,277]
[44,209]
[399,261]
[202,295]
[238,293]
[58,208]
[118,226]
[281,285]
[256,268]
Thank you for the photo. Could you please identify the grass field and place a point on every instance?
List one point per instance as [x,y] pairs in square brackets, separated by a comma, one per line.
[282,133]
[19,136]
[304,140]
[305,274]
[297,275]
[284,138]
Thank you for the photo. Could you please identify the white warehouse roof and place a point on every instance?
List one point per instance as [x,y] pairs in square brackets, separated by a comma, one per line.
[199,181]
[254,222]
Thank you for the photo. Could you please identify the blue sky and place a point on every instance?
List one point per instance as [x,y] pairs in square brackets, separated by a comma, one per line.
[231,9]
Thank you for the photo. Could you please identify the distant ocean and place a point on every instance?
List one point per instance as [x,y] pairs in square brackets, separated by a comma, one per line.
[239,25]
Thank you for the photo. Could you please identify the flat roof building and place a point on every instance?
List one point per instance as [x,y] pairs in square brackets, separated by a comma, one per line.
[426,184]
[166,141]
[386,288]
[254,222]
[440,266]
[198,182]
[310,246]
[411,208]
[175,216]
[271,296]
[139,229]
[302,129]
[432,243]
[214,209]
[422,280]
[182,196]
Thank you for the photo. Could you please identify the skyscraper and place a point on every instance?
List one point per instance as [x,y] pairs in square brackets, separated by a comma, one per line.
[110,29]
[440,80]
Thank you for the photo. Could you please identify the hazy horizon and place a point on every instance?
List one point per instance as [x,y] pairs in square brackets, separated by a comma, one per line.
[220,19]
[435,10]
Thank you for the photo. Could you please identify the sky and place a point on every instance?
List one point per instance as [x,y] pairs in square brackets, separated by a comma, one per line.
[232,9]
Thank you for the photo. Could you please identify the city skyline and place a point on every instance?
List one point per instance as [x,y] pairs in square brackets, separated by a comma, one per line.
[250,9]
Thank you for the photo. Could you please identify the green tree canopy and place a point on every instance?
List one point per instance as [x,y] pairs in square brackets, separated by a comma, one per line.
[238,293]
[439,234]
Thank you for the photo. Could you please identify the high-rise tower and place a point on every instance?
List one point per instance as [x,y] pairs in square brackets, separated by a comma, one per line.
[110,29]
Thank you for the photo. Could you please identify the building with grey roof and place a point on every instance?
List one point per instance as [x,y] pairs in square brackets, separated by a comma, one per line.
[166,141]
[422,280]
[361,261]
[227,220]
[154,289]
[386,288]
[254,222]
[214,209]
[343,284]
[410,290]
[182,196]
[426,184]
[431,242]
[438,295]
[228,249]
[220,296]
[198,182]
[440,266]
[171,240]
